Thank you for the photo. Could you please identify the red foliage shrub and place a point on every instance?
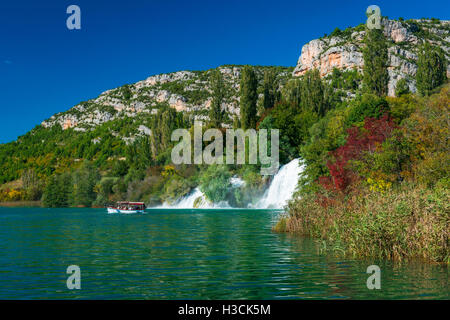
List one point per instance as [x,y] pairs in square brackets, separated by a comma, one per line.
[374,132]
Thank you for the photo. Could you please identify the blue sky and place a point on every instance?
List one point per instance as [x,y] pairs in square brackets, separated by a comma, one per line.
[46,68]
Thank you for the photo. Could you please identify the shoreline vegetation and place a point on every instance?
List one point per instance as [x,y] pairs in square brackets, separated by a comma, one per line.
[23,204]
[409,222]
[388,199]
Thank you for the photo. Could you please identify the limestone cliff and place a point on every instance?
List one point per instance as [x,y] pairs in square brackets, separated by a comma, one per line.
[344,50]
[186,91]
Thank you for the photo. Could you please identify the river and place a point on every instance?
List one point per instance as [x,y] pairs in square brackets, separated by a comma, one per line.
[187,254]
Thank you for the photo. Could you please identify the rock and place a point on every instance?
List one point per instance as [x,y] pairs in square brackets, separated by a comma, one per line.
[145,130]
[328,53]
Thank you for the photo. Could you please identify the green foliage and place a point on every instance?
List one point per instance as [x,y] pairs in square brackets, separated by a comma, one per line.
[175,188]
[401,87]
[366,106]
[399,189]
[249,97]
[345,80]
[165,121]
[84,180]
[126,92]
[216,114]
[402,107]
[269,89]
[58,191]
[32,184]
[293,125]
[325,135]
[375,53]
[312,95]
[215,183]
[431,68]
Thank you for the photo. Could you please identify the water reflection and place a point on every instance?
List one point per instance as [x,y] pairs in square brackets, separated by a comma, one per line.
[186,254]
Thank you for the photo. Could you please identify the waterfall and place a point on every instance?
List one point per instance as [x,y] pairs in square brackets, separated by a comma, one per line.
[187,202]
[276,196]
[282,187]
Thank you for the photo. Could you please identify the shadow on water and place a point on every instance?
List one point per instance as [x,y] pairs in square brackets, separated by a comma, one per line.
[186,254]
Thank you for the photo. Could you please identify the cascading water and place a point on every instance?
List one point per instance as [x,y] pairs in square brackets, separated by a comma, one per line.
[282,187]
[188,201]
[276,196]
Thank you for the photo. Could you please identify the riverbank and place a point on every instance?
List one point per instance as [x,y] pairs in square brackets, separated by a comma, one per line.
[408,222]
[14,204]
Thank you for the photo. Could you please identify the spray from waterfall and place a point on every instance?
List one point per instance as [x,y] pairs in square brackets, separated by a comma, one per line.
[276,196]
[282,187]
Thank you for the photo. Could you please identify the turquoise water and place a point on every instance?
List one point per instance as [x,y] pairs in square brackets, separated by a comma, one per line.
[186,254]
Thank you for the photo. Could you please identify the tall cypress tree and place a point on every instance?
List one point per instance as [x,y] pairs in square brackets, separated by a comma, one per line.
[270,89]
[216,114]
[312,93]
[249,97]
[431,68]
[375,55]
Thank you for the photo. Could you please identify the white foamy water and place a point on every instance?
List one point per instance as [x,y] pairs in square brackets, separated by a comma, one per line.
[276,196]
[187,202]
[282,186]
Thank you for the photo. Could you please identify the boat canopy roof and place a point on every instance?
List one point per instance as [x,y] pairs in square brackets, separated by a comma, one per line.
[132,203]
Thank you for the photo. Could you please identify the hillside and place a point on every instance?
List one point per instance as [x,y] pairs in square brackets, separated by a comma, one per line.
[100,129]
[342,49]
[185,91]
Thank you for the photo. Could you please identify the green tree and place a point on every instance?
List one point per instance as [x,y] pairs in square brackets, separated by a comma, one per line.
[375,55]
[32,184]
[216,114]
[431,68]
[401,88]
[215,183]
[249,98]
[84,180]
[58,191]
[292,92]
[269,88]
[312,93]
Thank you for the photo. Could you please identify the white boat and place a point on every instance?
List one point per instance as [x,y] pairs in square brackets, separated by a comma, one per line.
[126,207]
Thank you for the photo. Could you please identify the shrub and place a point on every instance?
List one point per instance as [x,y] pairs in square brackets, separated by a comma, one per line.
[215,183]
[358,141]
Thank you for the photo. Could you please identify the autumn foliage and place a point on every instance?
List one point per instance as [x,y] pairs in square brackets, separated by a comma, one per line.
[359,140]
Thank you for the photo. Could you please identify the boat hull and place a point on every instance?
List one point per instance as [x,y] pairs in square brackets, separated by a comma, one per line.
[114,210]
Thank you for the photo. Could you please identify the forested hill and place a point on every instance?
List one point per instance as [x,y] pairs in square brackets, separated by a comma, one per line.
[117,146]
[105,129]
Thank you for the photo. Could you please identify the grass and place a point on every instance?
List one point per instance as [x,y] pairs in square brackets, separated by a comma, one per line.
[405,223]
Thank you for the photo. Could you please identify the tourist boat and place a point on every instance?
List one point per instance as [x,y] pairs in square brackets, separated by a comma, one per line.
[127,207]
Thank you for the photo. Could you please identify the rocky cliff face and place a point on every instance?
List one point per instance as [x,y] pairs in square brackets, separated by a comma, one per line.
[186,91]
[344,50]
